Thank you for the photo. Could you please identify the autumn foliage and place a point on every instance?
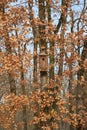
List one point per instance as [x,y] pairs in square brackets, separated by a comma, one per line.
[33,98]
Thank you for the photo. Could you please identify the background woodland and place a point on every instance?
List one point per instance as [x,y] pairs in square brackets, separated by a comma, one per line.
[43,65]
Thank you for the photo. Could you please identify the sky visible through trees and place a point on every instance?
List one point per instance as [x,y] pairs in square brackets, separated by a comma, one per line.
[43,64]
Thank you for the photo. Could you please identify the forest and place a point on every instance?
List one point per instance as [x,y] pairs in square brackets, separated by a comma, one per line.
[43,64]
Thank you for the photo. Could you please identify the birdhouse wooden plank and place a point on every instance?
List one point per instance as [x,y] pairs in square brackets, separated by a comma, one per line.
[43,62]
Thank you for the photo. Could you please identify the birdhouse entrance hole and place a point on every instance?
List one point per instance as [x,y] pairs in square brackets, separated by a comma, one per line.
[43,59]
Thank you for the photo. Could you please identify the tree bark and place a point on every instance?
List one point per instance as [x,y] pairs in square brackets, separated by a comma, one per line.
[8,53]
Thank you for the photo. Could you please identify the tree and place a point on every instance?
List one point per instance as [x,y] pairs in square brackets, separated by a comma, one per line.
[56,98]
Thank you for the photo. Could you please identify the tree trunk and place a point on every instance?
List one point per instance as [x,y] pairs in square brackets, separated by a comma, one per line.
[8,53]
[82,87]
[24,93]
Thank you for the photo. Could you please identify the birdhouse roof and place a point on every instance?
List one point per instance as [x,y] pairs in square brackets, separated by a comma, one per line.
[42,54]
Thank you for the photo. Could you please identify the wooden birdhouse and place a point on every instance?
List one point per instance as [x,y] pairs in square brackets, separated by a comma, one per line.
[43,60]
